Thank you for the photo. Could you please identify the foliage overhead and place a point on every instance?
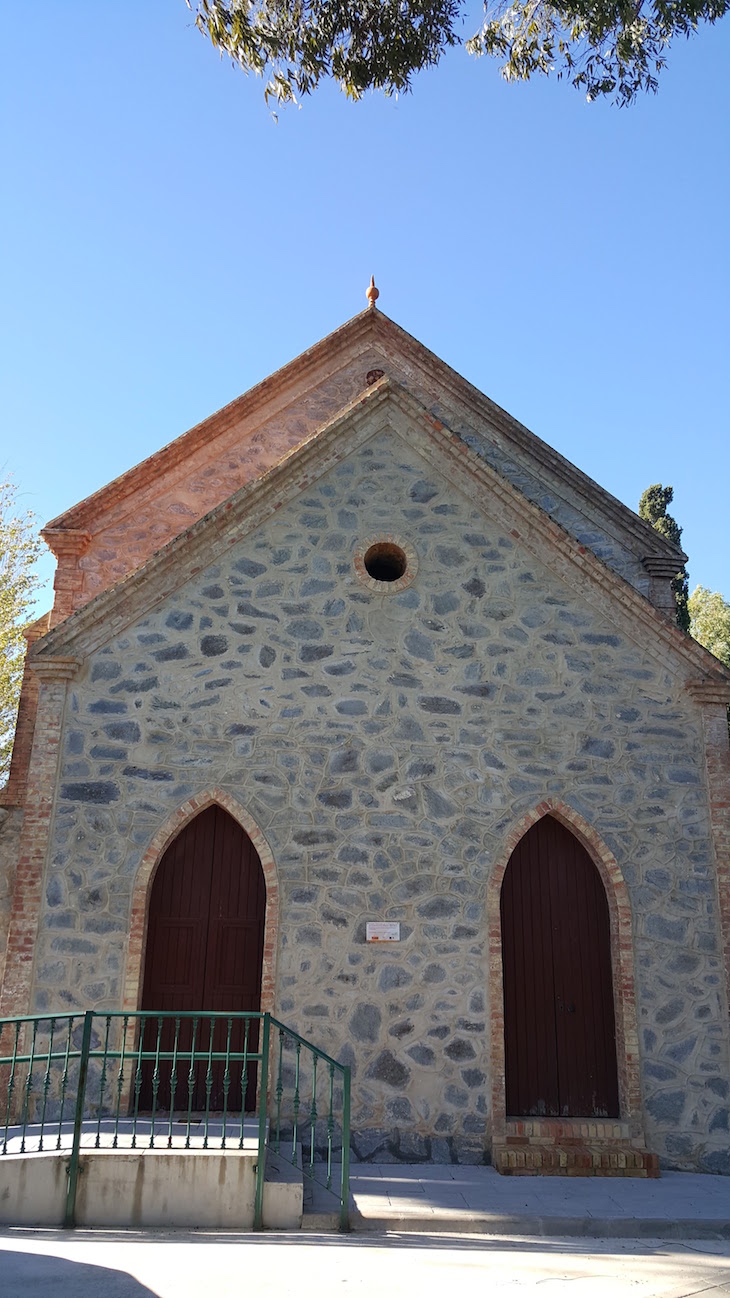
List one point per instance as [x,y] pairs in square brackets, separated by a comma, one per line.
[653,507]
[710,622]
[613,48]
[19,548]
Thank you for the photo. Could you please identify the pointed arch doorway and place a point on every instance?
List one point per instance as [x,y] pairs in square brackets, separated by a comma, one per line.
[205,944]
[559,1025]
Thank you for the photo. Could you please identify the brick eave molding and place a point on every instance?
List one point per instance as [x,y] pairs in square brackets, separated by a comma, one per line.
[54,668]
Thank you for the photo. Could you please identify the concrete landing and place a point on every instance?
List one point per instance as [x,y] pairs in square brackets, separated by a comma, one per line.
[106,1134]
[477,1200]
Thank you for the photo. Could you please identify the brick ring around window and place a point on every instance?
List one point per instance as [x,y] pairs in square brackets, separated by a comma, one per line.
[386,564]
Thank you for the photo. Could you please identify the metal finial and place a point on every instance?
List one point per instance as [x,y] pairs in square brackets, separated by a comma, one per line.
[372,293]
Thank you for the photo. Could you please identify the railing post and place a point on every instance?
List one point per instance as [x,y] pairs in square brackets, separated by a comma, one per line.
[345,1186]
[258,1211]
[73,1167]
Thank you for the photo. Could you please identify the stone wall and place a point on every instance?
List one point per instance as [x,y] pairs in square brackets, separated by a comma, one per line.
[386,745]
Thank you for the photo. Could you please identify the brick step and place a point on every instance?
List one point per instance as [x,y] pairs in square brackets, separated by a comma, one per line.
[553,1131]
[576,1158]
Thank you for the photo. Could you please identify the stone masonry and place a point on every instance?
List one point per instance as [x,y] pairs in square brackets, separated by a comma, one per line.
[385,745]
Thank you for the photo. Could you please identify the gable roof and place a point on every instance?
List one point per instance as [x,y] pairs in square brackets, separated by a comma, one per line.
[440,389]
[389,406]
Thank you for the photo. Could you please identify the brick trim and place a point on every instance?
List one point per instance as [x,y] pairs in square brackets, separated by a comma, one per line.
[13,795]
[161,840]
[619,908]
[39,806]
[386,587]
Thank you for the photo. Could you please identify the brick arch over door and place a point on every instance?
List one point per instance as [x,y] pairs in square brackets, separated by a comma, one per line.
[622,959]
[143,886]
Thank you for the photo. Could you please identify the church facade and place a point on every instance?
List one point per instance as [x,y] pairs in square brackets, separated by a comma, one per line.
[363,640]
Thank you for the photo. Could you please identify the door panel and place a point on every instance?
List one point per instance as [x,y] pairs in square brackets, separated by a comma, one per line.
[560,1049]
[205,937]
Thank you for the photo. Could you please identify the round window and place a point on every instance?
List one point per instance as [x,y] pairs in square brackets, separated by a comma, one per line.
[386,563]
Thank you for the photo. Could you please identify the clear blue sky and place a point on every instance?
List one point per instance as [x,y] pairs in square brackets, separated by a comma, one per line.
[167,244]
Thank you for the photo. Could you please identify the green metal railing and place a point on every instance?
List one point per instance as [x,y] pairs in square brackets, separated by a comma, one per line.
[174,1080]
[310,1087]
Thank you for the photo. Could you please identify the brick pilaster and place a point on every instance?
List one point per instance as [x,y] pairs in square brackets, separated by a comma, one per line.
[54,675]
[662,571]
[13,795]
[68,584]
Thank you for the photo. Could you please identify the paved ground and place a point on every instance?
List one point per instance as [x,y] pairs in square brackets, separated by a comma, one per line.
[36,1264]
[408,1219]
[464,1199]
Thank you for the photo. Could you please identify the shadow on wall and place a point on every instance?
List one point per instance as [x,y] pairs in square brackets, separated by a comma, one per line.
[39,1275]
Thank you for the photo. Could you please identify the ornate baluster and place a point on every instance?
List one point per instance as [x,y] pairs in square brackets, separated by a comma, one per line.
[330,1125]
[345,1169]
[138,1076]
[28,1084]
[46,1082]
[313,1115]
[191,1079]
[155,1082]
[102,1081]
[279,1090]
[226,1082]
[120,1080]
[295,1132]
[11,1088]
[173,1082]
[208,1082]
[64,1081]
[244,1081]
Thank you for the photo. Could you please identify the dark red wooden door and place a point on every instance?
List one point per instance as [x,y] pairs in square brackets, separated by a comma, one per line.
[205,942]
[560,1036]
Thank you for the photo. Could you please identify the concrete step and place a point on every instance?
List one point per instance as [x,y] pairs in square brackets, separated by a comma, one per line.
[293,1200]
[283,1192]
[321,1207]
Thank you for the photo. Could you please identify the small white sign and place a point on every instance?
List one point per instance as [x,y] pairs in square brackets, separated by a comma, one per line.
[382,931]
